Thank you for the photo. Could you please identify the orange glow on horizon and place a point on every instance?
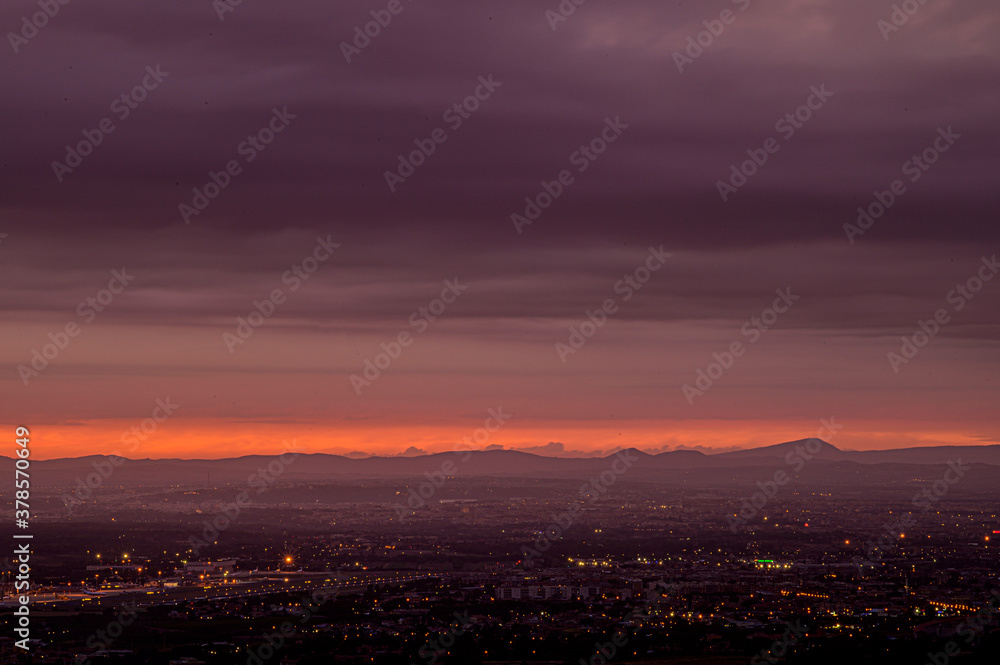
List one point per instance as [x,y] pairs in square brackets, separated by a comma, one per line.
[214,439]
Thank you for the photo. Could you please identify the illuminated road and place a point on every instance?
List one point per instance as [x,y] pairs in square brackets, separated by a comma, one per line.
[144,597]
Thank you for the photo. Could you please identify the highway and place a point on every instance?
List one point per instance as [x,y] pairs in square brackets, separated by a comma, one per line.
[277,583]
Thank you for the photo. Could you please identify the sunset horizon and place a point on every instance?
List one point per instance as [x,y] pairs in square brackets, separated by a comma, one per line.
[194,443]
[388,332]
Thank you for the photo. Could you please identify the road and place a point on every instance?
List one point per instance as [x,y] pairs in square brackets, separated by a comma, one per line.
[217,590]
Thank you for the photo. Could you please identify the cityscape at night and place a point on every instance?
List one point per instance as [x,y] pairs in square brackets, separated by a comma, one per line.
[521,332]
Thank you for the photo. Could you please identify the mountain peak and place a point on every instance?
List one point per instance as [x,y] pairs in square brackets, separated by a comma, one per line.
[812,442]
[632,451]
[814,446]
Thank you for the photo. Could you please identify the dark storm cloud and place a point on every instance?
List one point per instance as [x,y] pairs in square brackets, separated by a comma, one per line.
[557,87]
[371,284]
[656,185]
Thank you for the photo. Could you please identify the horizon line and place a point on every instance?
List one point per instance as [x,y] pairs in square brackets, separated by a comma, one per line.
[707,452]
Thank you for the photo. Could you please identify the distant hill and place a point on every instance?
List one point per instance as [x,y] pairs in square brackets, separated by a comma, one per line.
[813,447]
[823,459]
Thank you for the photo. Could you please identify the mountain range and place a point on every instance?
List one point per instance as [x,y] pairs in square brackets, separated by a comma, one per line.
[805,458]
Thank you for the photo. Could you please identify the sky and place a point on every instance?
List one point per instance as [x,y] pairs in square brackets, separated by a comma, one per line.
[628,124]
